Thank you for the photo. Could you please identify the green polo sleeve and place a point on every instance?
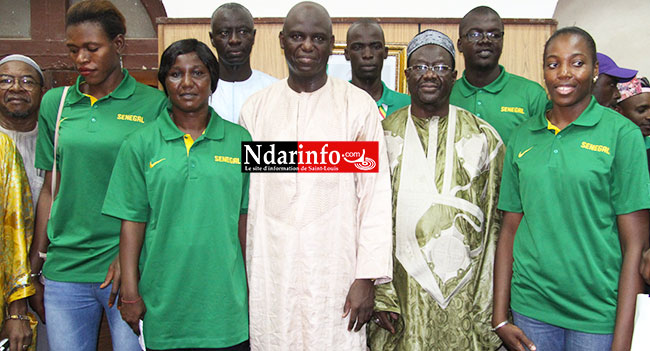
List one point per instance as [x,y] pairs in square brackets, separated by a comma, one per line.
[509,197]
[126,197]
[630,187]
[46,121]
[538,100]
[246,178]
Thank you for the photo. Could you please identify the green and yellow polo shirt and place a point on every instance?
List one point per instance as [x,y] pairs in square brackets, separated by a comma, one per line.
[191,194]
[571,185]
[504,103]
[82,241]
[391,101]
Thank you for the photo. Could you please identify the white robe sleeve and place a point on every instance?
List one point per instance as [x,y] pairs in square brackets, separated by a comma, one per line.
[374,251]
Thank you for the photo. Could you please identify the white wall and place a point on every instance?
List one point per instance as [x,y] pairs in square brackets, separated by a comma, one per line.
[620,28]
[371,8]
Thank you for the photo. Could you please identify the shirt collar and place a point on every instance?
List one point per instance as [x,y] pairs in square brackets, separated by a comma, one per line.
[588,118]
[214,130]
[123,91]
[384,95]
[467,89]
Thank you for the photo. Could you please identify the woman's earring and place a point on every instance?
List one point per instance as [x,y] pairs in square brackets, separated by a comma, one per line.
[595,79]
[122,63]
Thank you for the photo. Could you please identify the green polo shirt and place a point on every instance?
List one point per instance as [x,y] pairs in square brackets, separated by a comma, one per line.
[571,187]
[192,270]
[82,241]
[390,101]
[647,142]
[504,103]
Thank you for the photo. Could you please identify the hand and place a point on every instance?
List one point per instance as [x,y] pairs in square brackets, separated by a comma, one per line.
[359,303]
[19,334]
[132,313]
[514,338]
[383,319]
[113,275]
[36,300]
[645,266]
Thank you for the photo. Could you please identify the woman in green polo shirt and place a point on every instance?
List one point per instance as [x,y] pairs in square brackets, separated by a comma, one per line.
[575,196]
[184,217]
[99,111]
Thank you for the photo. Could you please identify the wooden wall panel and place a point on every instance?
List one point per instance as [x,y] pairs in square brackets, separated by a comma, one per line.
[393,32]
[168,34]
[340,30]
[399,32]
[522,49]
[267,55]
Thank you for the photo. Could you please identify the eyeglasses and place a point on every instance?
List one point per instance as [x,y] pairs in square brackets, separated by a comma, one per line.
[475,36]
[422,69]
[27,83]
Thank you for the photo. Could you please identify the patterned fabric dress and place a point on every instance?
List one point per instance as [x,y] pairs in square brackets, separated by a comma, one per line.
[445,176]
[17,228]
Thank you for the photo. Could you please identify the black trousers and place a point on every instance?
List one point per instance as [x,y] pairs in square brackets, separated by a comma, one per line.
[245,346]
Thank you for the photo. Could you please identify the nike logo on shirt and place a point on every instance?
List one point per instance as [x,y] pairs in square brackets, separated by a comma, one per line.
[521,153]
[151,165]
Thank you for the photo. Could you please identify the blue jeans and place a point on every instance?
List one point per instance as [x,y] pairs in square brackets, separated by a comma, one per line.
[74,311]
[548,337]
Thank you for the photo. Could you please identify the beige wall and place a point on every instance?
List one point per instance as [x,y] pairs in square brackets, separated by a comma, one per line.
[618,27]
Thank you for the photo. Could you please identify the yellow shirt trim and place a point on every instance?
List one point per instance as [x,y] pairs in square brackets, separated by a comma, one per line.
[552,128]
[188,143]
[93,99]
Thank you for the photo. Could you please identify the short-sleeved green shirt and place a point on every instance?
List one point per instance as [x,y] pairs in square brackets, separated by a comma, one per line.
[192,270]
[392,101]
[504,103]
[82,241]
[570,188]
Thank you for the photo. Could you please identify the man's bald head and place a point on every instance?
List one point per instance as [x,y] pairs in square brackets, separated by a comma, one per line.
[473,14]
[366,50]
[304,10]
[307,41]
[232,34]
[230,8]
[365,24]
